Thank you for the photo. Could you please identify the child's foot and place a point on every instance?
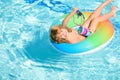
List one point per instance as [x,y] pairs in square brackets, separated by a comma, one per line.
[113,10]
[108,1]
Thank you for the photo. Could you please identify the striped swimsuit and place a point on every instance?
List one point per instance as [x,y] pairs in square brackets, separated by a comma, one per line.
[83,31]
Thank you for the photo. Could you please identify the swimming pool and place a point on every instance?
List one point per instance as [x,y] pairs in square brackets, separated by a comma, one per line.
[25,51]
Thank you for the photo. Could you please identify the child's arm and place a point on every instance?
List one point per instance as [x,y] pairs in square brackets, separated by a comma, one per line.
[65,21]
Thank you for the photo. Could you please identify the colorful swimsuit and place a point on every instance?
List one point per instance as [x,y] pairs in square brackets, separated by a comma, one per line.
[83,31]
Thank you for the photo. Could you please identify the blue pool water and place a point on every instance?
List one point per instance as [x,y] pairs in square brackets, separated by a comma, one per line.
[25,50]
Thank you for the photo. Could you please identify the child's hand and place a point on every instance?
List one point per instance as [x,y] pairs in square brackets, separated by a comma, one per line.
[75,9]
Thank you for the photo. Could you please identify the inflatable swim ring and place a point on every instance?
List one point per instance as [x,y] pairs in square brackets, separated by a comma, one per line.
[100,38]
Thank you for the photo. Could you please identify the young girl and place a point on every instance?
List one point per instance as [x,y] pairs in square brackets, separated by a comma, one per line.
[63,34]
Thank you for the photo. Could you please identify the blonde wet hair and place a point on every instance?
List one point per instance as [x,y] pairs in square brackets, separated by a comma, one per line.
[55,34]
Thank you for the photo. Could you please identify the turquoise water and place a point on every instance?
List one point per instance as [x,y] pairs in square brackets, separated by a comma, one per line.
[26,53]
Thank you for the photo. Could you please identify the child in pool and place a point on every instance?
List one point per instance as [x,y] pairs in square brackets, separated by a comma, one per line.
[63,34]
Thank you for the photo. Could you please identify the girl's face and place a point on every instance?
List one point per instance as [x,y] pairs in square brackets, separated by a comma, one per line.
[63,33]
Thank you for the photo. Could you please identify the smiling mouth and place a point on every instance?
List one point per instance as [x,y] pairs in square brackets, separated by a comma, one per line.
[64,34]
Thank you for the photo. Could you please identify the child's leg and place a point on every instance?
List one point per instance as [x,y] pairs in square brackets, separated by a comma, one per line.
[94,22]
[96,13]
